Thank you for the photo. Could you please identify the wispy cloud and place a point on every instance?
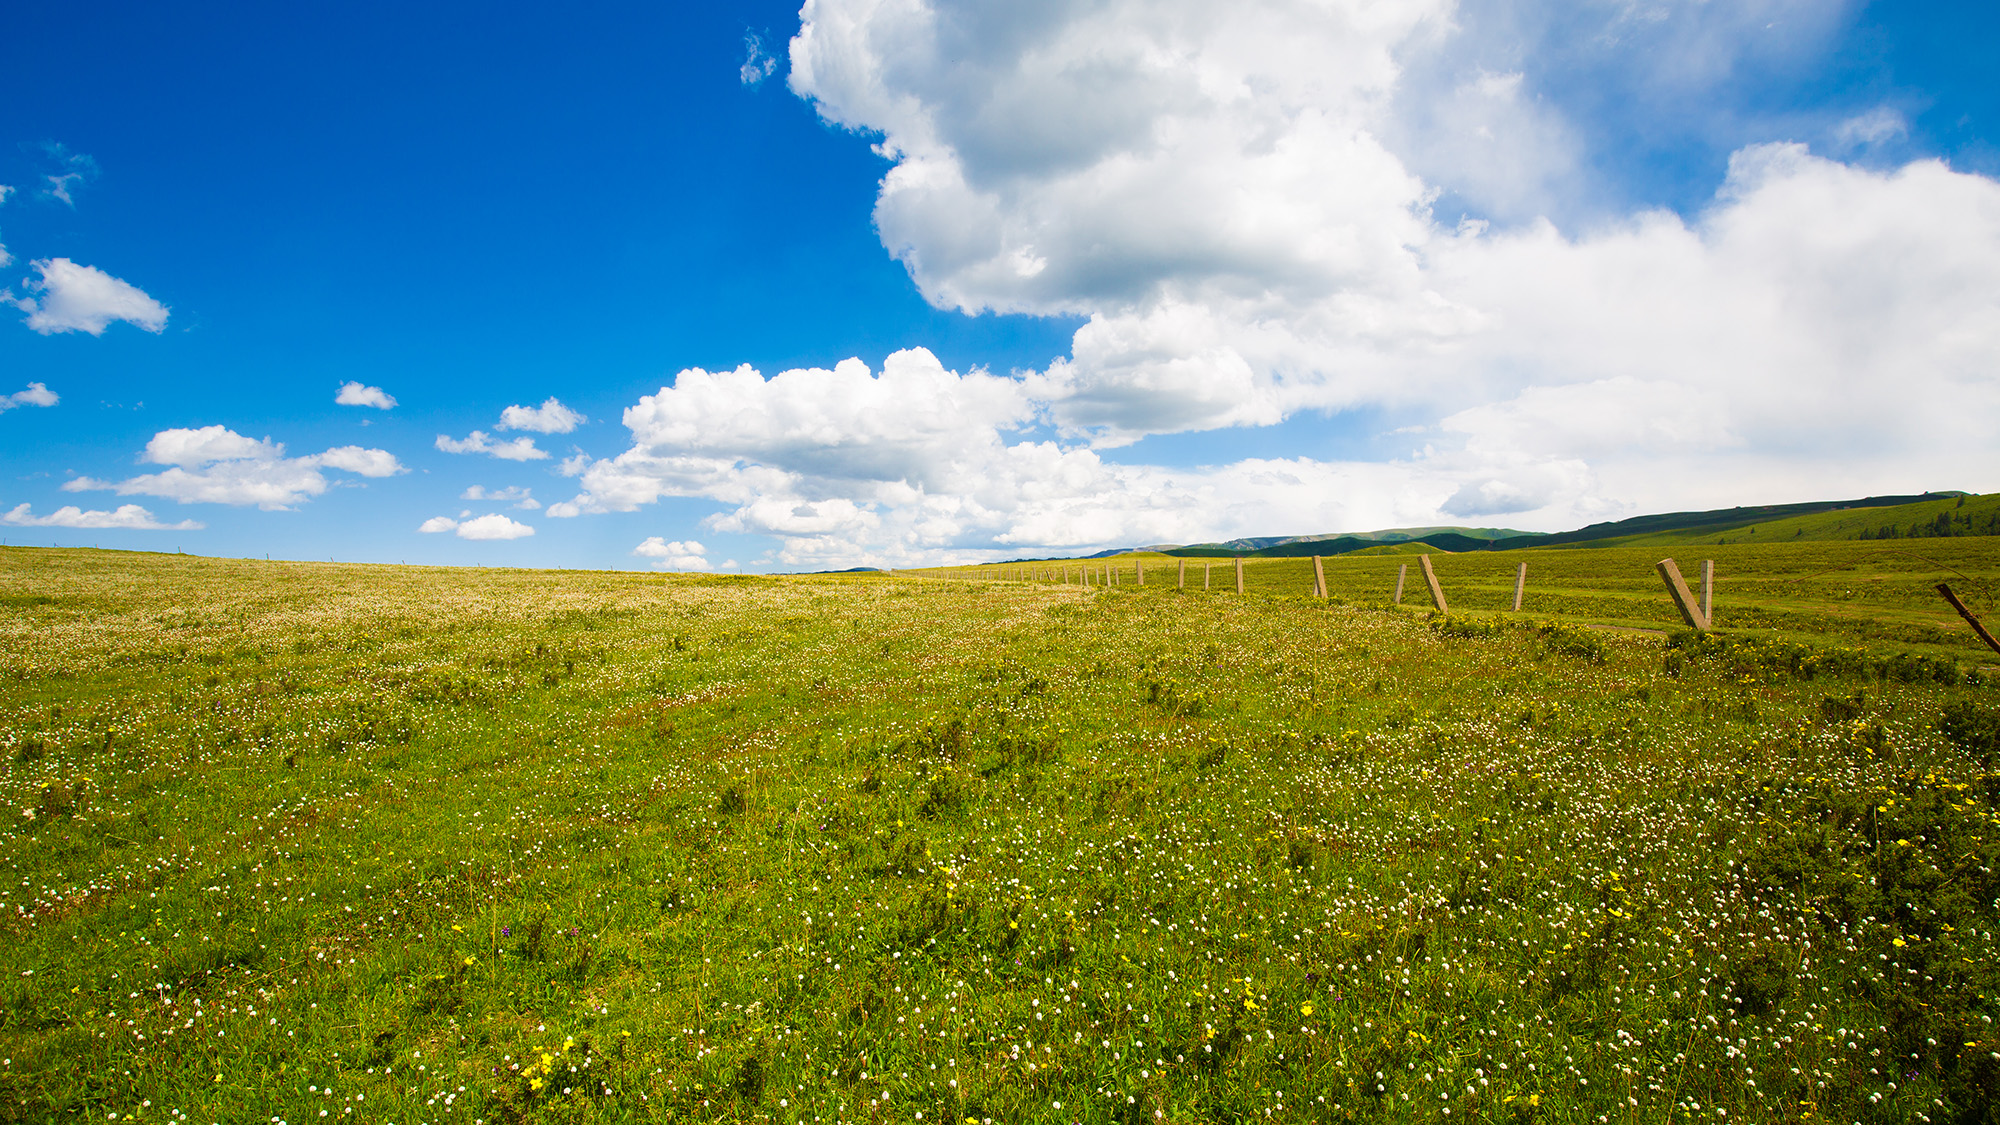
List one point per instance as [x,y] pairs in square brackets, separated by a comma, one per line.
[128,517]
[72,170]
[519,449]
[514,494]
[758,64]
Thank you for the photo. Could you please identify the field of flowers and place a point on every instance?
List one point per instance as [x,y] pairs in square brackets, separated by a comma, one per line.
[309,842]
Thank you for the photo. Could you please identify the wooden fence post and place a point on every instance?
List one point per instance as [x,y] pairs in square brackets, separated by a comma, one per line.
[1141,568]
[1945,589]
[1239,574]
[1319,578]
[1520,585]
[1402,571]
[1182,583]
[1207,575]
[1677,588]
[1431,580]
[1708,590]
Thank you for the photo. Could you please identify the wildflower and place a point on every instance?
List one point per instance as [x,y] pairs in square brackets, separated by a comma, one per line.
[1305,1009]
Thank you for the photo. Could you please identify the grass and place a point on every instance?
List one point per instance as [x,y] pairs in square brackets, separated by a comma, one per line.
[413,845]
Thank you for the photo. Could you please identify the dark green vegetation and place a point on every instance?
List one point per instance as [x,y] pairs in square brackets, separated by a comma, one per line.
[418,845]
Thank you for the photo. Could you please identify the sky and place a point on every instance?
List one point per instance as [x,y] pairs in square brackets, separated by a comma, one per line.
[755,287]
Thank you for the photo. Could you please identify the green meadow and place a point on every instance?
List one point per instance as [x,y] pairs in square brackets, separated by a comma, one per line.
[310,842]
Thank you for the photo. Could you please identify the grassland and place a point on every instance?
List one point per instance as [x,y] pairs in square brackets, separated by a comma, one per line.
[298,842]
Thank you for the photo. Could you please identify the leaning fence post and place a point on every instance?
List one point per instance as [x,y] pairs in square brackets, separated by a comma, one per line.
[1520,585]
[1239,574]
[1431,579]
[1945,589]
[1319,578]
[1708,590]
[1677,588]
[1402,571]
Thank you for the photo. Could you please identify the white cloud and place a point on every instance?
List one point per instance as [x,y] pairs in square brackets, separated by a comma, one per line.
[517,495]
[216,465]
[676,555]
[77,298]
[493,526]
[551,417]
[193,448]
[355,394]
[920,464]
[129,517]
[355,459]
[519,449]
[480,527]
[36,394]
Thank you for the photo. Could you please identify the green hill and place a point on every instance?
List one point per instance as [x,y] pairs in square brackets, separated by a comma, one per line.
[1943,517]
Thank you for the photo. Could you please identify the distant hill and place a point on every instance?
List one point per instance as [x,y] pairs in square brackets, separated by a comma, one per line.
[1925,515]
[1873,517]
[1829,518]
[1946,515]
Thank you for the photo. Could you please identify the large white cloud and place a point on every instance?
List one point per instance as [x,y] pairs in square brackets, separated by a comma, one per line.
[127,517]
[918,463]
[1240,200]
[217,465]
[74,298]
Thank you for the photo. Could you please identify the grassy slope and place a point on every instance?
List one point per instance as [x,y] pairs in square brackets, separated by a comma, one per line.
[420,845]
[1879,595]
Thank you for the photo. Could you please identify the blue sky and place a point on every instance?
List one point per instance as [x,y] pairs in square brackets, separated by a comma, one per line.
[1173,279]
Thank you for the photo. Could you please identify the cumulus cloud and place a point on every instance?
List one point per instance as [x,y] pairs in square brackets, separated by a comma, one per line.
[74,298]
[514,494]
[36,394]
[519,449]
[353,393]
[128,517]
[675,555]
[492,526]
[918,463]
[217,465]
[551,417]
